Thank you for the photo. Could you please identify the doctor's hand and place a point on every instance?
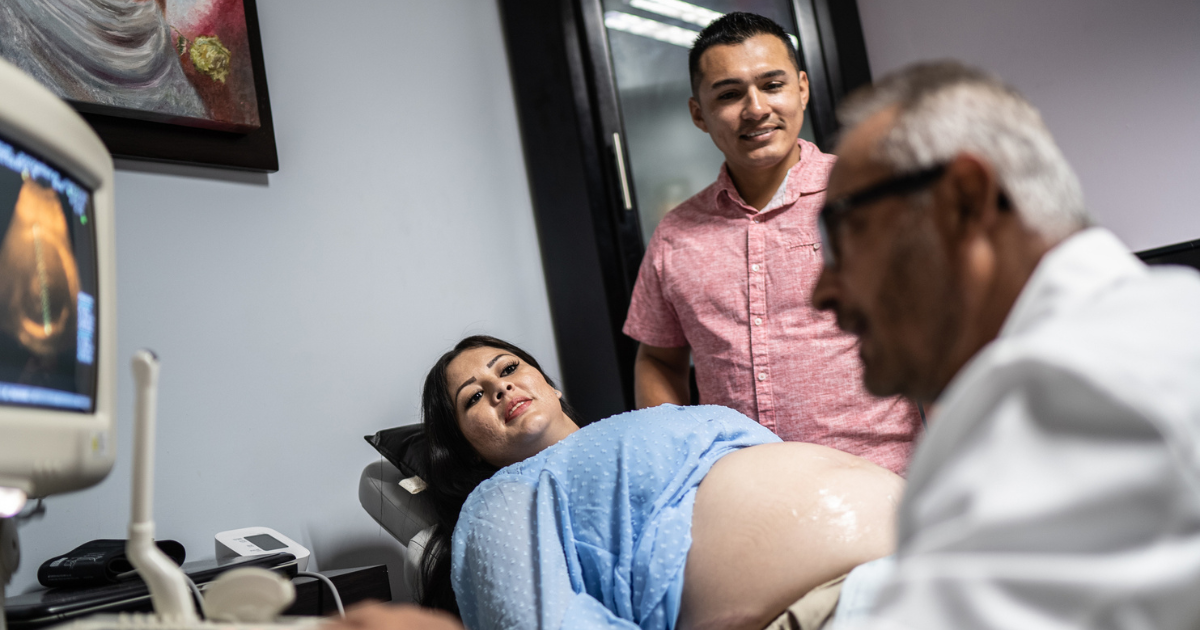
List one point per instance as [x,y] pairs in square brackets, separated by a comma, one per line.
[394,617]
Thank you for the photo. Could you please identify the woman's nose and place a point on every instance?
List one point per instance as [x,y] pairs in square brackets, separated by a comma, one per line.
[503,390]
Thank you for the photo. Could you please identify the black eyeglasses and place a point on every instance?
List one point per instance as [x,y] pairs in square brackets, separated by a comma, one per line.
[834,211]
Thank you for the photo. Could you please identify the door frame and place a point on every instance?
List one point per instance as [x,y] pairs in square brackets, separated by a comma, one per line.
[587,219]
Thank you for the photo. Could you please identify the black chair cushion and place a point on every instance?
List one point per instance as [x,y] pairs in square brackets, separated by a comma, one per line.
[405,447]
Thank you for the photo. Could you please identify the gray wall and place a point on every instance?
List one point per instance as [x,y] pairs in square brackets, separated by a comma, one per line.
[296,312]
[1117,82]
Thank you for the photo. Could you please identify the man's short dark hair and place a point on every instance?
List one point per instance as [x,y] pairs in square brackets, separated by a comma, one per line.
[735,28]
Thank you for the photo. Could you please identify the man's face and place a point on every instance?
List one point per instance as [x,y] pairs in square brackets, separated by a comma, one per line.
[750,99]
[896,282]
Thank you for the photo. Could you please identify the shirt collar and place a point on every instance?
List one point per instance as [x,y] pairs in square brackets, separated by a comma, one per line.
[1073,271]
[802,179]
[1076,270]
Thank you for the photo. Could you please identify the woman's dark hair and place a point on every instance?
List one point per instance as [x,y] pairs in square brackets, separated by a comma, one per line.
[454,468]
[731,29]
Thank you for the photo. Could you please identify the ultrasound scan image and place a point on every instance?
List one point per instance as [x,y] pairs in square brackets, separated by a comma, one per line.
[39,282]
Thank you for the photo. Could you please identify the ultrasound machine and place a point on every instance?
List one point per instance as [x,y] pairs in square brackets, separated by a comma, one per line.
[58,361]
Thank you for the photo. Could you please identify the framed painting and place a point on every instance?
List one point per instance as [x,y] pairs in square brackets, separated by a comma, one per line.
[164,80]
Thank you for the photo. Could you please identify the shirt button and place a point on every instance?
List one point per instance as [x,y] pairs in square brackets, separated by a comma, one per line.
[754,220]
[755,267]
[762,376]
[758,321]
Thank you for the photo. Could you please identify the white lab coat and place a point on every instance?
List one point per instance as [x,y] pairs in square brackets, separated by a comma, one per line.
[1059,484]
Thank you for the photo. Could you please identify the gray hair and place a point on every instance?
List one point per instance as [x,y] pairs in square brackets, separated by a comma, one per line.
[945,108]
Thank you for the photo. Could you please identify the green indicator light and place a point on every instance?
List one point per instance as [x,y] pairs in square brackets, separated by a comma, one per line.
[83,219]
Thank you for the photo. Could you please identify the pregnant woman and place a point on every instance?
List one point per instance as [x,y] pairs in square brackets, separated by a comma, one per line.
[671,517]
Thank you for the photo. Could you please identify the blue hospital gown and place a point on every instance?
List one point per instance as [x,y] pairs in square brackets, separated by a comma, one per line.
[594,531]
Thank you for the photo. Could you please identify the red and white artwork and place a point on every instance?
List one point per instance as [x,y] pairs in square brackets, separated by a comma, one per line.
[179,61]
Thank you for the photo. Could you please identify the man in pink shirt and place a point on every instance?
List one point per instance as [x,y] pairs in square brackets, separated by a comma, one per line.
[728,272]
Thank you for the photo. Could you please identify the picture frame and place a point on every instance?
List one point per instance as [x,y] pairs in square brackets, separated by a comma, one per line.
[172,143]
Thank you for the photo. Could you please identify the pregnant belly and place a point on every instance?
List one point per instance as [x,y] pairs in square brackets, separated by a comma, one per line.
[773,521]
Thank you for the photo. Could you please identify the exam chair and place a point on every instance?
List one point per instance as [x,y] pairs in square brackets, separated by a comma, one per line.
[403,513]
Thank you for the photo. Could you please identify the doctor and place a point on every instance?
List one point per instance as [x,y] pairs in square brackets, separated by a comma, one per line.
[1059,483]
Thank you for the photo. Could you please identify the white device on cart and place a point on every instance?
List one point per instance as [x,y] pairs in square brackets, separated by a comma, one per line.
[257,541]
[57,255]
[58,322]
[242,599]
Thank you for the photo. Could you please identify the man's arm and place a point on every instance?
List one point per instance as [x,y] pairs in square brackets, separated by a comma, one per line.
[660,376]
[392,617]
[1047,511]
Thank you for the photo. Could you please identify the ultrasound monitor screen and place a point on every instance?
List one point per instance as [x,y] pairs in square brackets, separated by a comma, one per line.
[47,285]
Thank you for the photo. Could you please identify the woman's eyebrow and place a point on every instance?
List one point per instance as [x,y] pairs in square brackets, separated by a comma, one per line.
[460,387]
[472,379]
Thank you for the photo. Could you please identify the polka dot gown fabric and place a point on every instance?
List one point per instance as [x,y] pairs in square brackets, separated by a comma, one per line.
[594,531]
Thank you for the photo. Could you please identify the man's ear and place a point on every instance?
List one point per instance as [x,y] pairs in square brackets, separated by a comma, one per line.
[802,82]
[697,117]
[975,189]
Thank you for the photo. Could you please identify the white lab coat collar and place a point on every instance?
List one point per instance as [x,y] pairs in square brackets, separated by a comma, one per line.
[1073,271]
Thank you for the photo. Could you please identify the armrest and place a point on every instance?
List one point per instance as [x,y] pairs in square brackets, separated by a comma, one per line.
[400,512]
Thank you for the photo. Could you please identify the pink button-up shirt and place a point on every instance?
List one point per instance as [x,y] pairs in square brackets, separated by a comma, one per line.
[734,285]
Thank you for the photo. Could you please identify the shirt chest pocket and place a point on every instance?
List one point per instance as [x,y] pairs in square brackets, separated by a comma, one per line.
[793,238]
[798,264]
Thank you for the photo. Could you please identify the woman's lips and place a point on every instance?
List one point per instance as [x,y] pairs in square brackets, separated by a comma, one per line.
[516,408]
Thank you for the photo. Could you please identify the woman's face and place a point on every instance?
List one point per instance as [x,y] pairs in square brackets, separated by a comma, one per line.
[504,406]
